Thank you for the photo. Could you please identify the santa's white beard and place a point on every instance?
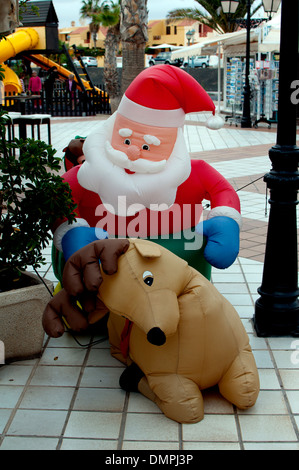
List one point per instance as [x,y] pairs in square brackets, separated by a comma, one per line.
[123,193]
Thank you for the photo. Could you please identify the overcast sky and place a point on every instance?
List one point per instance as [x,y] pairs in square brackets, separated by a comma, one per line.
[68,10]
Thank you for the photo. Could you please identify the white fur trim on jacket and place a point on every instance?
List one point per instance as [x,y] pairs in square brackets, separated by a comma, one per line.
[64,228]
[227,212]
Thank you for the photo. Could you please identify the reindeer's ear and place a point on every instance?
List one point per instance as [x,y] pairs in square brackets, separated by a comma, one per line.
[109,250]
[147,249]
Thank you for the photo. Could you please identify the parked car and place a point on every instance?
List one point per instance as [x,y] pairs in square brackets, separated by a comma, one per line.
[76,63]
[165,58]
[198,61]
[90,61]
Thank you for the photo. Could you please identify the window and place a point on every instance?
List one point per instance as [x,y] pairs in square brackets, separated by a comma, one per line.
[168,30]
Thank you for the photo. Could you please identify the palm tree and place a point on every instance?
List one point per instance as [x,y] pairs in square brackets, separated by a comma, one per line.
[210,13]
[110,17]
[91,9]
[106,13]
[133,30]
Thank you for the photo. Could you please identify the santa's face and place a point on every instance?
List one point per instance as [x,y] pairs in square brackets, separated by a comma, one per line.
[119,172]
[139,144]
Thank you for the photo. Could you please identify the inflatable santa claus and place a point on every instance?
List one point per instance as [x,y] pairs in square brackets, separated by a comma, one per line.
[138,180]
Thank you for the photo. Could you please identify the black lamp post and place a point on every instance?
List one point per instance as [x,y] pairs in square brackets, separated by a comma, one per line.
[246,119]
[277,309]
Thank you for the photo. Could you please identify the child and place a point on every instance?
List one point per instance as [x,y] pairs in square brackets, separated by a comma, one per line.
[35,88]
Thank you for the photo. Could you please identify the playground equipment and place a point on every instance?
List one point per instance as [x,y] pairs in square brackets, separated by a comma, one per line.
[28,39]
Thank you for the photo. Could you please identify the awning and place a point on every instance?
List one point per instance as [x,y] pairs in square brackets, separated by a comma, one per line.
[209,46]
[165,46]
[271,42]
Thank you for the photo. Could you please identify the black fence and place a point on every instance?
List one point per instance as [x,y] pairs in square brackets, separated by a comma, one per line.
[60,103]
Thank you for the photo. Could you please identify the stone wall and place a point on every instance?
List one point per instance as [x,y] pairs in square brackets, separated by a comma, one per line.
[207,77]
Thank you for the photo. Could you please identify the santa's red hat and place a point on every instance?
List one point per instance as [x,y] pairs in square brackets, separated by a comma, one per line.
[161,96]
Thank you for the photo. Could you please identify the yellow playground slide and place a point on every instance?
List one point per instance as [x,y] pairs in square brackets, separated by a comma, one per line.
[27,39]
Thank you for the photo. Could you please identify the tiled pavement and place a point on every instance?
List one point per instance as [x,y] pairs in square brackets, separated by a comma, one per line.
[70,397]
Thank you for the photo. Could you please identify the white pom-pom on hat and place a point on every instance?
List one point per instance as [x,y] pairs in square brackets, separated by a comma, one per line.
[215,122]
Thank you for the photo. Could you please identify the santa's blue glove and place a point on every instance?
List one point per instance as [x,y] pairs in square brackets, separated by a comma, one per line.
[79,237]
[223,239]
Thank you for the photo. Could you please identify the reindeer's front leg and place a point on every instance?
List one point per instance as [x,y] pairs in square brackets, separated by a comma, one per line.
[178,397]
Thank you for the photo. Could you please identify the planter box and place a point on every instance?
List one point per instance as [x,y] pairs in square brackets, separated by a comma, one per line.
[21,313]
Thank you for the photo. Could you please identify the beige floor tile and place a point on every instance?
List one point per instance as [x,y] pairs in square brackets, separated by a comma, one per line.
[150,427]
[152,445]
[47,398]
[4,417]
[194,446]
[102,357]
[105,377]
[268,379]
[140,404]
[286,359]
[9,395]
[29,443]
[37,423]
[63,376]
[88,444]
[283,343]
[263,359]
[63,356]
[293,397]
[215,403]
[268,402]
[290,378]
[100,399]
[271,446]
[13,374]
[265,428]
[93,424]
[212,428]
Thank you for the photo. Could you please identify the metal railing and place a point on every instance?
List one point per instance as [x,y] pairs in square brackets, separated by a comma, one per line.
[60,103]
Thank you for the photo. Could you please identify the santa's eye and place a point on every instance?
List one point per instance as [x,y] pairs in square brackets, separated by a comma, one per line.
[127,142]
[148,278]
[145,147]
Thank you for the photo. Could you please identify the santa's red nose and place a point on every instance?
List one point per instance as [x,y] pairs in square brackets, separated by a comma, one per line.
[133,152]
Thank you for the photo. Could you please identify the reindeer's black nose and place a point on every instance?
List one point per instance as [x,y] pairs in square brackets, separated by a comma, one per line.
[156,336]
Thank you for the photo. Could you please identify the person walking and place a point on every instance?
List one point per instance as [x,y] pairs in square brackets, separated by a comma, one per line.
[52,76]
[71,88]
[35,88]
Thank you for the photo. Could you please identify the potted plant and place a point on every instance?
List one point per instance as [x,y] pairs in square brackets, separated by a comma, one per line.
[32,197]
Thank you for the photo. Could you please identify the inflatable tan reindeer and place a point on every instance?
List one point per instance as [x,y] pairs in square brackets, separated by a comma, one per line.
[177,334]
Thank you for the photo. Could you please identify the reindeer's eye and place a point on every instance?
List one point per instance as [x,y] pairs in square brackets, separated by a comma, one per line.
[148,278]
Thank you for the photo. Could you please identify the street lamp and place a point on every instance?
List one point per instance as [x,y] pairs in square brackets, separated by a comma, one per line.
[229,6]
[277,309]
[189,36]
[271,6]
